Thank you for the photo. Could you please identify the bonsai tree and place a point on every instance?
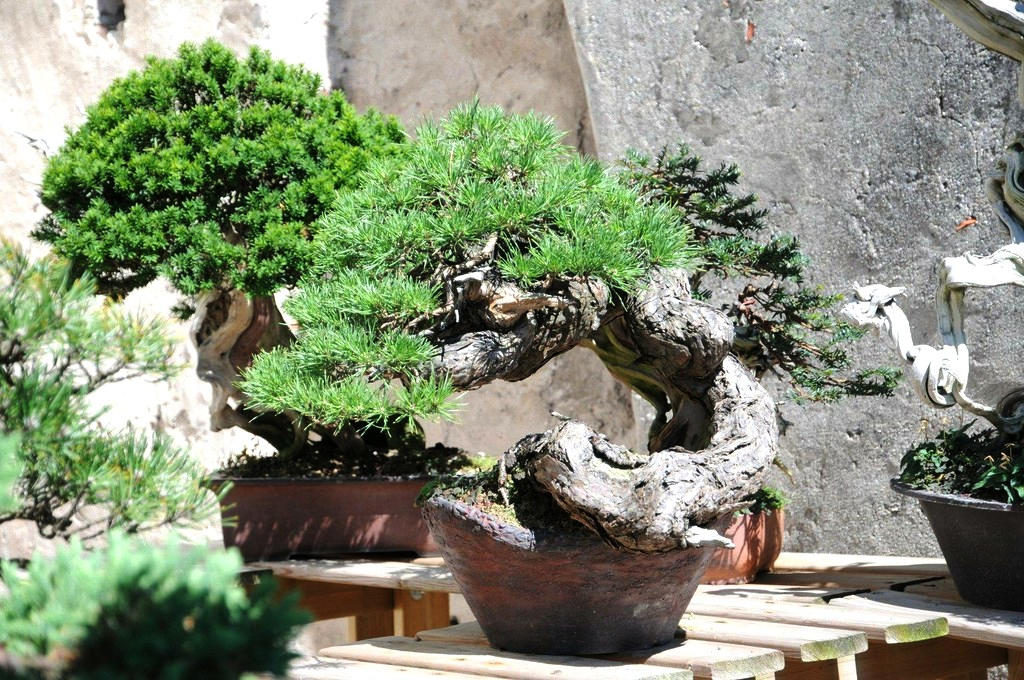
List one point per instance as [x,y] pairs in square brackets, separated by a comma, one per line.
[486,250]
[59,343]
[210,171]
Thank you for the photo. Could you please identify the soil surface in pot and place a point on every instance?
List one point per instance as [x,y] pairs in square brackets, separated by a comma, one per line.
[329,462]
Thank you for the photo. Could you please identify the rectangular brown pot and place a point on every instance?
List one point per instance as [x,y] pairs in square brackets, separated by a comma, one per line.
[282,518]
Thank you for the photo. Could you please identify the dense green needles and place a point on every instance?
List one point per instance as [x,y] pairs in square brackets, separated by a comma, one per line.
[782,325]
[208,170]
[132,610]
[480,188]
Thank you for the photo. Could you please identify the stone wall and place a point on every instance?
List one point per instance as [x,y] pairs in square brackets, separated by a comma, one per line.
[866,128]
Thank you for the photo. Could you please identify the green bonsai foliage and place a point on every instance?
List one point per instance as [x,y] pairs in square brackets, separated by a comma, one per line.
[480,189]
[782,325]
[981,463]
[767,499]
[58,343]
[10,469]
[205,169]
[133,610]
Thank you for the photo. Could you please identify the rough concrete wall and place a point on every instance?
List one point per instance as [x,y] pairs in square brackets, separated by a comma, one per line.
[866,128]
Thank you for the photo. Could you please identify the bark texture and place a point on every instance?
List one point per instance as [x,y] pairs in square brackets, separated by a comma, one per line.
[715,434]
[228,329]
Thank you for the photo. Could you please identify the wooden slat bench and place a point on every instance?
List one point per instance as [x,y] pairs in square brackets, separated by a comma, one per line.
[817,616]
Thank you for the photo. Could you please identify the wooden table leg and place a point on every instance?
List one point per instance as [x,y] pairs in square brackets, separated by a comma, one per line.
[1016,661]
[416,610]
[373,624]
[846,668]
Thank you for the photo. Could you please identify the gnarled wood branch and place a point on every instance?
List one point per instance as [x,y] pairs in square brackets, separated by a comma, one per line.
[716,434]
[228,329]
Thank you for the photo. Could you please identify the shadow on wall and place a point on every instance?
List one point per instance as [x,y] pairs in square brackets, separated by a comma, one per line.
[111,13]
[421,59]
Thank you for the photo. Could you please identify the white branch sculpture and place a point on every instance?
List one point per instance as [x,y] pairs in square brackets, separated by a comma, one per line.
[939,375]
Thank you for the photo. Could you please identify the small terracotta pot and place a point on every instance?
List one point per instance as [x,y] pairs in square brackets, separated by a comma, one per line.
[758,540]
[281,518]
[558,592]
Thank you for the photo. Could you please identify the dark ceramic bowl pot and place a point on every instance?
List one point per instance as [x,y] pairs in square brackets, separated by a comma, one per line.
[559,593]
[983,543]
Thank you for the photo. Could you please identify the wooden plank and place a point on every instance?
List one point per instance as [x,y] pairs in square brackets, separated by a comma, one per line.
[373,624]
[773,591]
[862,564]
[966,622]
[709,659]
[387,574]
[839,583]
[360,670]
[889,627]
[1015,660]
[416,610]
[925,660]
[493,663]
[335,600]
[937,658]
[806,643]
[706,659]
[846,668]
[943,589]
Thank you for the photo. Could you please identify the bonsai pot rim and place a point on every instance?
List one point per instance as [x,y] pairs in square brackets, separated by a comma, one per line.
[219,479]
[952,499]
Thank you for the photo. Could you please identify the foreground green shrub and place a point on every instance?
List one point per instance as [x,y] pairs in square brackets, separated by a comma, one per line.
[133,611]
[59,342]
[959,461]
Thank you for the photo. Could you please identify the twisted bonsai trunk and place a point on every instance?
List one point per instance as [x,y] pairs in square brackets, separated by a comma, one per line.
[228,329]
[716,431]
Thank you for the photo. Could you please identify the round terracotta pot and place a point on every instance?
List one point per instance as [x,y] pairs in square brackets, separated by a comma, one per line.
[758,541]
[982,542]
[560,593]
[282,518]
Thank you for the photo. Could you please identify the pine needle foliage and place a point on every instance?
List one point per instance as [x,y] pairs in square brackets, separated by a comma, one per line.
[208,170]
[58,343]
[782,325]
[132,610]
[481,188]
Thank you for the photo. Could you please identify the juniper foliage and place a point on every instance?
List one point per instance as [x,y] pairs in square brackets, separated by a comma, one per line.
[132,610]
[782,325]
[59,342]
[208,170]
[481,188]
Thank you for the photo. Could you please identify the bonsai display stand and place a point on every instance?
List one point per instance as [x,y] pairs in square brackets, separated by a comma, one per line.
[816,616]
